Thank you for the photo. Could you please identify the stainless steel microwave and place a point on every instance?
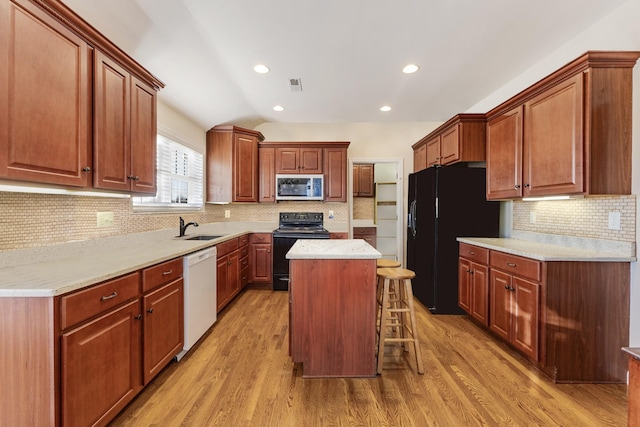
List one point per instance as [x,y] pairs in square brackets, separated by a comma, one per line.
[299,187]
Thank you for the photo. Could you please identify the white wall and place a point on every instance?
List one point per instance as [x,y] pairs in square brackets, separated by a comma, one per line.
[620,30]
[177,125]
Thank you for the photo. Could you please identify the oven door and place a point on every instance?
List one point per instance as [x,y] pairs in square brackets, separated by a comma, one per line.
[281,245]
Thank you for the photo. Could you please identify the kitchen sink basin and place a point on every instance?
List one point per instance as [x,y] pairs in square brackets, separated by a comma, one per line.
[203,237]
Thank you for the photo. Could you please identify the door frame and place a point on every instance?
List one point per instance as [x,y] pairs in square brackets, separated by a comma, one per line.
[399,197]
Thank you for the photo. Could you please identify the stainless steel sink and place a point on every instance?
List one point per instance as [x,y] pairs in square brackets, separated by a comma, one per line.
[203,237]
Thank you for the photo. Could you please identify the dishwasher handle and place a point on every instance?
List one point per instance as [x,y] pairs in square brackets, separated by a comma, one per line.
[198,257]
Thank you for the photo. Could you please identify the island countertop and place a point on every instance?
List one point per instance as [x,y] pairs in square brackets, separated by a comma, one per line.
[332,249]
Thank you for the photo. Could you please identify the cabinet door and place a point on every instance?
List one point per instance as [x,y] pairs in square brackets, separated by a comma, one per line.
[245,170]
[163,327]
[233,275]
[310,160]
[433,151]
[100,366]
[450,145]
[504,156]
[222,273]
[45,76]
[553,156]
[479,293]
[500,303]
[526,313]
[464,284]
[143,138]
[287,160]
[112,137]
[365,176]
[356,181]
[335,174]
[267,171]
[420,158]
[261,263]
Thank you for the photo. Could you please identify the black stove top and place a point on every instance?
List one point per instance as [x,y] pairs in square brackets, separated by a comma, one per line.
[301,223]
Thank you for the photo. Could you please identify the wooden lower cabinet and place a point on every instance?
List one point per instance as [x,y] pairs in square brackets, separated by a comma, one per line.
[233,270]
[100,367]
[514,311]
[368,234]
[569,317]
[78,359]
[260,258]
[338,235]
[163,327]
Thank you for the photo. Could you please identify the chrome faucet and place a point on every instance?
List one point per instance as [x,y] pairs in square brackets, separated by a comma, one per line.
[183,227]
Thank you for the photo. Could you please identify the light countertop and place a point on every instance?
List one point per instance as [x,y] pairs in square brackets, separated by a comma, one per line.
[632,351]
[332,249]
[58,269]
[546,251]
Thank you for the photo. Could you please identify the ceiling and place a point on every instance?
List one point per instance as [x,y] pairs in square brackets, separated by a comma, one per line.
[349,54]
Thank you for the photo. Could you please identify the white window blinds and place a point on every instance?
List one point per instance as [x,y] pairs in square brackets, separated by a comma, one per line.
[179,178]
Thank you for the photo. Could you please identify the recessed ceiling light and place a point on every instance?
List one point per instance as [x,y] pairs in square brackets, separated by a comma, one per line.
[261,69]
[410,69]
[278,108]
[385,108]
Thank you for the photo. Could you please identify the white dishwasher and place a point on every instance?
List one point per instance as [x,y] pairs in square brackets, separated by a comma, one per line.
[199,296]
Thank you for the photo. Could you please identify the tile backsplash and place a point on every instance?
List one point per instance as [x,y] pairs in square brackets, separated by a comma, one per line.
[30,220]
[585,217]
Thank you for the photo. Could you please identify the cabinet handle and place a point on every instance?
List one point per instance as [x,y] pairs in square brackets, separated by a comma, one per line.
[229,263]
[507,287]
[516,186]
[113,295]
[472,253]
[150,310]
[138,317]
[86,169]
[166,273]
[512,289]
[526,186]
[268,251]
[512,264]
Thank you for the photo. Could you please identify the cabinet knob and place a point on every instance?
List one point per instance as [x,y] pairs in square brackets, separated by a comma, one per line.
[527,186]
[512,264]
[150,310]
[130,177]
[507,287]
[516,186]
[138,317]
[86,169]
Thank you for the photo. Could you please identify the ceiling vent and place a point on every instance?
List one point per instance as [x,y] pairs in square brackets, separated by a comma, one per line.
[296,85]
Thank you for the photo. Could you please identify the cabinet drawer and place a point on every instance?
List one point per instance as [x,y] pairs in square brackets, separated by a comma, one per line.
[227,247]
[85,304]
[516,265]
[160,274]
[261,238]
[244,251]
[243,240]
[245,275]
[474,253]
[244,262]
[364,230]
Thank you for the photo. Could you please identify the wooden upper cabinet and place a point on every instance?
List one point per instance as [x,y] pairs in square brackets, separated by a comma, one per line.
[504,155]
[420,158]
[291,160]
[45,110]
[267,173]
[61,88]
[335,175]
[292,156]
[570,133]
[459,139]
[363,185]
[124,129]
[553,150]
[433,151]
[232,164]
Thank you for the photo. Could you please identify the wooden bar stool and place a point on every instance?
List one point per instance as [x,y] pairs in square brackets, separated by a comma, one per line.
[397,312]
[384,263]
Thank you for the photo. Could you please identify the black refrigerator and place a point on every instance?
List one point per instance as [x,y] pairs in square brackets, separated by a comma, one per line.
[445,203]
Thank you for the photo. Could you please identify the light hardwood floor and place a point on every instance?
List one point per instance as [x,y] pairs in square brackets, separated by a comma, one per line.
[240,374]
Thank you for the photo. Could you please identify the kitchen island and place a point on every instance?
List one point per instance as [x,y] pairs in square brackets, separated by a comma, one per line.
[332,307]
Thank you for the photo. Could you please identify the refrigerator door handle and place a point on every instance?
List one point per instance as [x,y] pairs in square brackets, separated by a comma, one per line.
[413,218]
[436,208]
